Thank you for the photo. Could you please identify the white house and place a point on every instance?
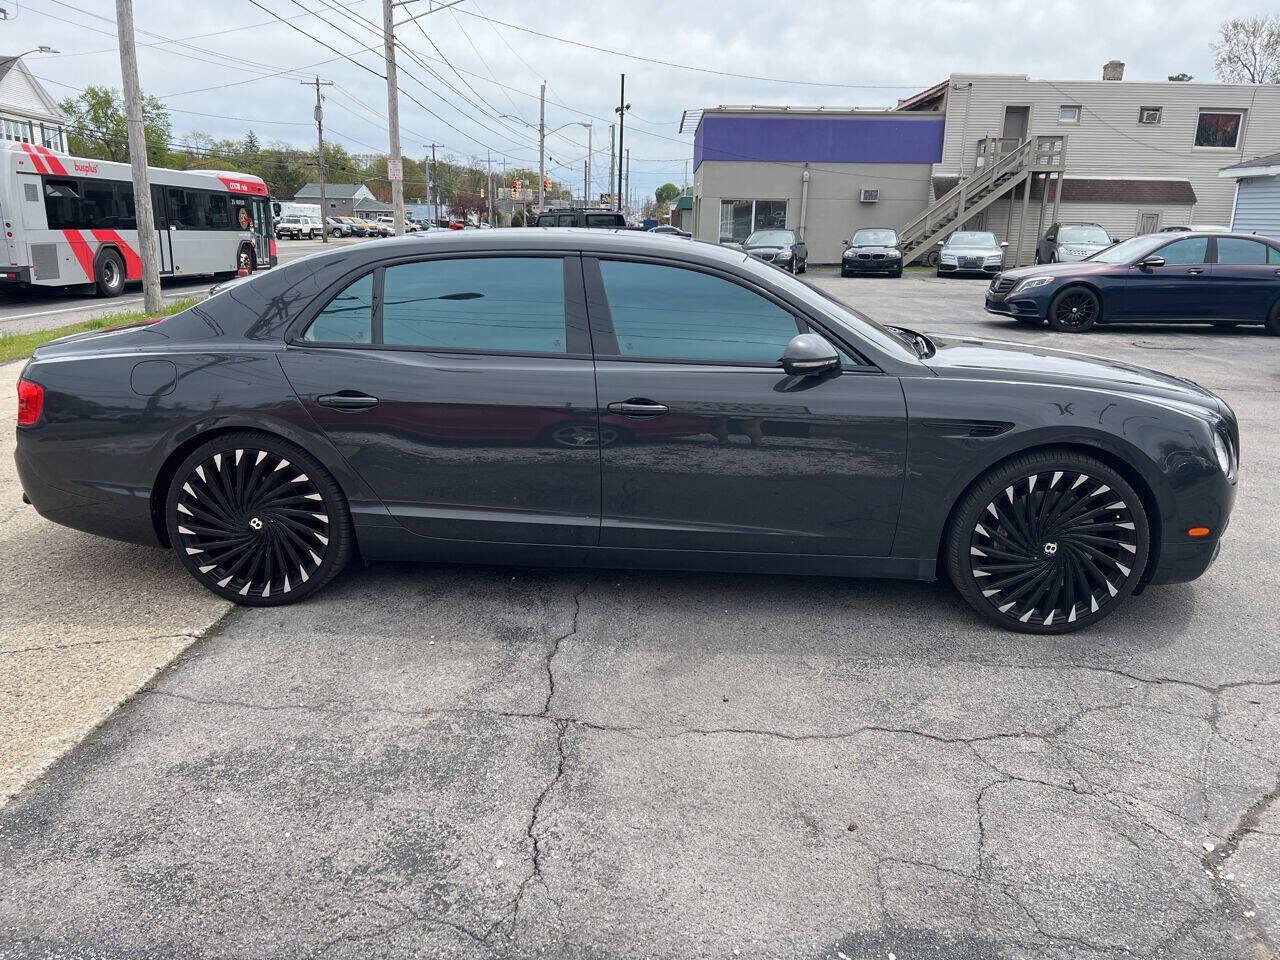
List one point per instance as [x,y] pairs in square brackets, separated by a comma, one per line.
[1257,200]
[28,114]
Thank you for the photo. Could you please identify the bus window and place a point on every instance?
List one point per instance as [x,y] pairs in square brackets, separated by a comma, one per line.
[62,204]
[219,213]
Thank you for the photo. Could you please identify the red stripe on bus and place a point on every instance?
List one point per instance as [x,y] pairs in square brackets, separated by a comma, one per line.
[132,262]
[81,249]
[35,158]
[55,165]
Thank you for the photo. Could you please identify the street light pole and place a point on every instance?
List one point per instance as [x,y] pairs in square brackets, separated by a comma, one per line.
[147,241]
[542,142]
[621,110]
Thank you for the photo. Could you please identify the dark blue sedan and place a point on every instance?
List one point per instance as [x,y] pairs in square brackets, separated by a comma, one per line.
[1222,279]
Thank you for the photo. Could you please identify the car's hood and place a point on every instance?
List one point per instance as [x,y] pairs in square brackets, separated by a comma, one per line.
[872,248]
[1006,360]
[1081,268]
[771,248]
[1091,247]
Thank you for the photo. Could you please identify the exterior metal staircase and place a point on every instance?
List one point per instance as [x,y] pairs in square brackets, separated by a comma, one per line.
[1002,164]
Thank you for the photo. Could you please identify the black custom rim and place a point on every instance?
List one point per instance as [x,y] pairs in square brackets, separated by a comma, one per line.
[1054,547]
[252,523]
[1076,308]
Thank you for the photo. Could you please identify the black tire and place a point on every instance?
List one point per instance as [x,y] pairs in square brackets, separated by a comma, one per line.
[1037,259]
[896,274]
[1273,320]
[108,274]
[247,508]
[1048,542]
[1075,310]
[844,273]
[939,273]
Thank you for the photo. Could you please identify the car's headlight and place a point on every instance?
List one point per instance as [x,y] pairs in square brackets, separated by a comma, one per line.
[995,257]
[783,255]
[848,254]
[893,254]
[1031,283]
[1226,456]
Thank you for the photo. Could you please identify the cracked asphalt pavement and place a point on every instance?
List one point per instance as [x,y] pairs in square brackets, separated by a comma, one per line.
[446,761]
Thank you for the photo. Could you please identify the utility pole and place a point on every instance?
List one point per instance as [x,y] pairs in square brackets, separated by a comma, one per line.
[612,130]
[431,176]
[324,201]
[147,241]
[628,178]
[488,175]
[621,110]
[587,189]
[542,142]
[395,163]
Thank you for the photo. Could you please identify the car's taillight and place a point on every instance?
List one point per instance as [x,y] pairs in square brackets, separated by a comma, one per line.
[30,401]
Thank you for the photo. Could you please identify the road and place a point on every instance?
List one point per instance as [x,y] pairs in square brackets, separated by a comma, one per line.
[455,761]
[43,308]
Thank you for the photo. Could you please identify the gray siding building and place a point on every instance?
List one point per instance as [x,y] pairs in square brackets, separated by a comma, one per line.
[344,199]
[1257,200]
[28,114]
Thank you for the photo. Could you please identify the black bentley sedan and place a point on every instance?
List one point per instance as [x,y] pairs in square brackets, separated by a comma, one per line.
[618,399]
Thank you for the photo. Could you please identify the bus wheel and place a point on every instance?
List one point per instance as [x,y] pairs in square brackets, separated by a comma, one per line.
[109,274]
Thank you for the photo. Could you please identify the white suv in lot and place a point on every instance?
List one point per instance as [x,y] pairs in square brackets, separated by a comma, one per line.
[298,228]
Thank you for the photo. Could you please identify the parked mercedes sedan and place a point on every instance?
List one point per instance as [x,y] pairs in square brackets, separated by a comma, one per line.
[611,399]
[872,250]
[1214,278]
[783,248]
[971,251]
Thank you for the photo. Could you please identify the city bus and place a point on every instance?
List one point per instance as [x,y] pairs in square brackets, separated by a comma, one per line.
[70,221]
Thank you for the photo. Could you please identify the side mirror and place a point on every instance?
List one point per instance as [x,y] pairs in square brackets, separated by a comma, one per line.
[845,242]
[1004,243]
[809,354]
[1150,262]
[942,243]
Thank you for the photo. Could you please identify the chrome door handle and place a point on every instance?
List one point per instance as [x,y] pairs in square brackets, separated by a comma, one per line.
[1195,270]
[638,408]
[347,401]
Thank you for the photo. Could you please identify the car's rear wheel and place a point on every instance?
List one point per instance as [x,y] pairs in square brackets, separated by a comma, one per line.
[1048,542]
[1075,310]
[257,520]
[1273,320]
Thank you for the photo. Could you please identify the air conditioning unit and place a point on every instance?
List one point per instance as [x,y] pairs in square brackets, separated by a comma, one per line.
[869,195]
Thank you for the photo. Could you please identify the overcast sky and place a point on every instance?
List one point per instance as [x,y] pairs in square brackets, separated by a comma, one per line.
[870,54]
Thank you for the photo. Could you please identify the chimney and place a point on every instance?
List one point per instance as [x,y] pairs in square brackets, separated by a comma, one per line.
[1113,70]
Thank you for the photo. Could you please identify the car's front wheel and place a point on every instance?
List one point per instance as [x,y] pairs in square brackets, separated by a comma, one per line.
[1048,542]
[1075,310]
[257,520]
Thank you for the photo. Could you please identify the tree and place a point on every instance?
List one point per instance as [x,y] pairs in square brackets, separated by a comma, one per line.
[97,127]
[1249,51]
[517,217]
[251,142]
[463,205]
[1181,77]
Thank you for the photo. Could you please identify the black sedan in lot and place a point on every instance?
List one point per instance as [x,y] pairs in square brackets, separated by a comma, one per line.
[783,248]
[1215,278]
[872,250]
[598,398]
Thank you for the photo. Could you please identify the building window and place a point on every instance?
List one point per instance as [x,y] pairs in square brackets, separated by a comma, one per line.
[1149,114]
[19,130]
[1219,129]
[740,218]
[1069,114]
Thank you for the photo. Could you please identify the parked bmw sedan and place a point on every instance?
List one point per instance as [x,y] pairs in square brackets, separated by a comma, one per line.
[1215,278]
[593,398]
[783,248]
[971,251]
[872,250]
[1069,242]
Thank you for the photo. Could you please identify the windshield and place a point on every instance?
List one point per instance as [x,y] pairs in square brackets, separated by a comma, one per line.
[1129,250]
[874,238]
[973,238]
[1083,235]
[771,238]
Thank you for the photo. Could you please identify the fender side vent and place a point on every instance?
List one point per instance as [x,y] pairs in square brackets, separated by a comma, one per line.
[967,428]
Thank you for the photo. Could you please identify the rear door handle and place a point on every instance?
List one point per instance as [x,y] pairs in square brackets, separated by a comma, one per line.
[638,408]
[347,400]
[1195,270]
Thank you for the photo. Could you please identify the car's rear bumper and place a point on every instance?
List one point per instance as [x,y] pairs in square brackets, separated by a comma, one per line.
[20,275]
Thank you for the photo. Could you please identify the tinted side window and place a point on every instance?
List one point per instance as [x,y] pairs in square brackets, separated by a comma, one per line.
[62,204]
[482,303]
[348,318]
[1190,250]
[677,314]
[603,220]
[1235,250]
[1273,255]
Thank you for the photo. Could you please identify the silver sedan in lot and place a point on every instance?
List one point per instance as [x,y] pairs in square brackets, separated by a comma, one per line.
[971,251]
[1071,242]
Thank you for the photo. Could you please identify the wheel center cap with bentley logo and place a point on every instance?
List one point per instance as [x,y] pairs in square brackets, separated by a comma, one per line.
[1049,548]
[256,523]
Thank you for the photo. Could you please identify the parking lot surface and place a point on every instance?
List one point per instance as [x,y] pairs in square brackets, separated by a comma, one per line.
[430,761]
